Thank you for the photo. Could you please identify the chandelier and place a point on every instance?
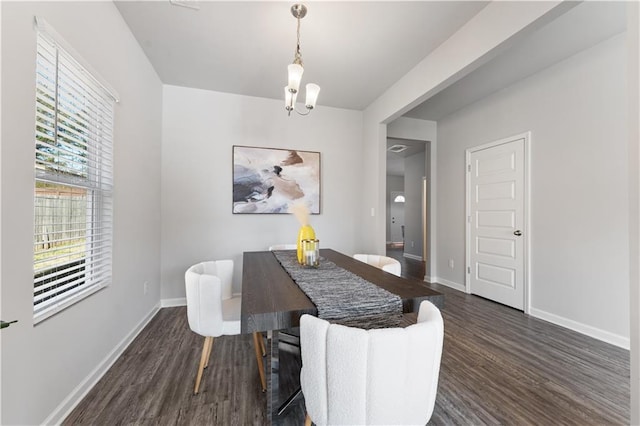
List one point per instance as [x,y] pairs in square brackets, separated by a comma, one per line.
[295,71]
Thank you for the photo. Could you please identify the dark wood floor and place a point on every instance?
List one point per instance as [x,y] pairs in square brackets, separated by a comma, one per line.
[410,268]
[499,366]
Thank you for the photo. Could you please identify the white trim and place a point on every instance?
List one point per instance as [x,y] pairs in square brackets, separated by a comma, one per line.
[428,278]
[170,303]
[412,256]
[43,26]
[1,363]
[73,399]
[526,212]
[425,214]
[596,333]
[527,222]
[432,192]
[453,285]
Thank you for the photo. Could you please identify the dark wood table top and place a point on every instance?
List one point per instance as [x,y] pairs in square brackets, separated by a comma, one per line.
[271,300]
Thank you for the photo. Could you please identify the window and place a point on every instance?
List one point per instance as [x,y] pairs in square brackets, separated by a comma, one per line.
[73,178]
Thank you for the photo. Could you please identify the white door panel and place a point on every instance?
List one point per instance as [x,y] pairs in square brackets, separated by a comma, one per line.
[496,275]
[504,247]
[495,195]
[495,220]
[495,191]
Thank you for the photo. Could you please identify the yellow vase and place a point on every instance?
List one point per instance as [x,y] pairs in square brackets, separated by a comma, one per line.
[306,233]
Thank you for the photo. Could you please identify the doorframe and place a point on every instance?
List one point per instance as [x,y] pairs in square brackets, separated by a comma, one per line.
[425,219]
[526,211]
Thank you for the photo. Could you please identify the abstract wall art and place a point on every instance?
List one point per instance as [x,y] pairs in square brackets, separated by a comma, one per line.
[269,180]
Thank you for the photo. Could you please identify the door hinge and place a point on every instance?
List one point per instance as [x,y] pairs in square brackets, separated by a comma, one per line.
[468,269]
[469,219]
[469,167]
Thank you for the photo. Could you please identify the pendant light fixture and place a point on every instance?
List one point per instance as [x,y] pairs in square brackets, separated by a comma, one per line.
[295,71]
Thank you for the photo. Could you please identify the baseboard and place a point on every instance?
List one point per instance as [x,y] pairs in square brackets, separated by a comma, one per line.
[596,333]
[170,303]
[73,399]
[412,256]
[453,285]
[429,279]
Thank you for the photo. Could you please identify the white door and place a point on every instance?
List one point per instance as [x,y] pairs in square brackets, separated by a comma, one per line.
[396,211]
[496,208]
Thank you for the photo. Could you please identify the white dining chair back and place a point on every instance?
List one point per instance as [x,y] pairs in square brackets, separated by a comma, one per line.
[283,247]
[385,263]
[209,296]
[213,311]
[382,376]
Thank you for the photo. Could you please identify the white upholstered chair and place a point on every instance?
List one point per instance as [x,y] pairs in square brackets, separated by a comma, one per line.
[213,311]
[383,376]
[385,263]
[283,247]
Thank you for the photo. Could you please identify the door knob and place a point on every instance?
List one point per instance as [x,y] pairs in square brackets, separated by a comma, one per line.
[517,233]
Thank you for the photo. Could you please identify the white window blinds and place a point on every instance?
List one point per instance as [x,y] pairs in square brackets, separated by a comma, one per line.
[73,180]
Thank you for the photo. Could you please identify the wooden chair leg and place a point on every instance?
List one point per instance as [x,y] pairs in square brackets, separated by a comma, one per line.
[256,343]
[203,361]
[264,350]
[307,420]
[209,347]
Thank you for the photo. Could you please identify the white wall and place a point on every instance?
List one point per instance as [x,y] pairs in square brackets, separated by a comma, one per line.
[414,172]
[47,367]
[413,129]
[199,129]
[460,54]
[577,114]
[633,67]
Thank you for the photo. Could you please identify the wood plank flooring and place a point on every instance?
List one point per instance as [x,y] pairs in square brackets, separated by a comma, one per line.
[499,366]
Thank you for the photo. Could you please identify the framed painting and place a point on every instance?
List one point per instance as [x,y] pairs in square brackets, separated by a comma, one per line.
[269,180]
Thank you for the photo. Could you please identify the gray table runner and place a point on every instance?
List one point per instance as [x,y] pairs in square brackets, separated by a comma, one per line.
[341,296]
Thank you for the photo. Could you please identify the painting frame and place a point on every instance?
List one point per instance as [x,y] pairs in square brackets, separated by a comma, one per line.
[269,180]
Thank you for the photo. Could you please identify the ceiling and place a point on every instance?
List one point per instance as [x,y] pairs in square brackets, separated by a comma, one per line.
[395,160]
[581,27]
[353,50]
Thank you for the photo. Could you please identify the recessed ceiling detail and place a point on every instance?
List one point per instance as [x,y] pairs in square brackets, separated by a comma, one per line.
[397,148]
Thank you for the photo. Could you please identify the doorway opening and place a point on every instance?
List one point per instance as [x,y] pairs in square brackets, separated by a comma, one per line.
[406,227]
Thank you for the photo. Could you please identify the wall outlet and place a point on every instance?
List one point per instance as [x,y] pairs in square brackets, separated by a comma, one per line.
[145,287]
[451,263]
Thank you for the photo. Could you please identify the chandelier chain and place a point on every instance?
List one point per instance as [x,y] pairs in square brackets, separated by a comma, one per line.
[297,58]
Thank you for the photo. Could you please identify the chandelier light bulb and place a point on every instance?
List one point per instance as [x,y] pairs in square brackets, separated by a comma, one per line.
[312,95]
[295,76]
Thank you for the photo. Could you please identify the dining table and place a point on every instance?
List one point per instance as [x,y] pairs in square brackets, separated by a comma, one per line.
[272,301]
